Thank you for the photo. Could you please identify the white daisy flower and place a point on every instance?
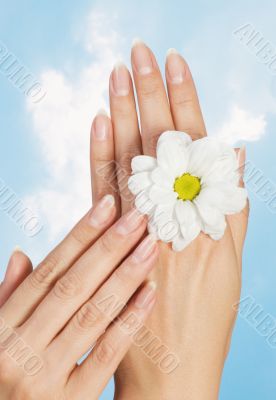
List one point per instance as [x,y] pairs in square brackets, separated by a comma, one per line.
[189,187]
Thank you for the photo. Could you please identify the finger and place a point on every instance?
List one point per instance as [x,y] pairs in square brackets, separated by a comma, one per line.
[105,358]
[83,279]
[40,282]
[102,159]
[155,114]
[94,316]
[239,222]
[126,128]
[19,267]
[183,98]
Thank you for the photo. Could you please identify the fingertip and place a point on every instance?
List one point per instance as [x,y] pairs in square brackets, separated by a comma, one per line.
[137,41]
[102,112]
[241,163]
[19,266]
[101,129]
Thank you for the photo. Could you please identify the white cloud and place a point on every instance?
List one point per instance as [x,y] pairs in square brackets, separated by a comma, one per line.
[242,126]
[62,125]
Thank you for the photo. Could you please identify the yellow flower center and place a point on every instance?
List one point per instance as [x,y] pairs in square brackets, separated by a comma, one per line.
[187,186]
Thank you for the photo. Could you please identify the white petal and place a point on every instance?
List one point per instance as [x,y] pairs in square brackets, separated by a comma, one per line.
[159,195]
[165,224]
[180,243]
[202,155]
[209,214]
[210,196]
[139,182]
[228,199]
[152,229]
[143,203]
[213,220]
[164,209]
[185,212]
[216,231]
[162,179]
[181,138]
[172,154]
[234,200]
[188,219]
[143,163]
[224,169]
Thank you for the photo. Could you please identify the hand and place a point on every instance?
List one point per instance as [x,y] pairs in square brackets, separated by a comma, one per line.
[197,288]
[73,300]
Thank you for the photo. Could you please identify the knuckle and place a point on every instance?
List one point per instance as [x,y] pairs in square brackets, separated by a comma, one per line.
[124,167]
[81,234]
[44,274]
[105,167]
[122,110]
[88,316]
[105,352]
[124,275]
[68,286]
[25,390]
[152,140]
[106,244]
[7,369]
[181,100]
[149,89]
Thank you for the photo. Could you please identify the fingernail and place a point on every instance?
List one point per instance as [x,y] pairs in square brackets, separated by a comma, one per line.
[175,67]
[103,112]
[17,249]
[102,211]
[129,222]
[120,80]
[241,163]
[142,60]
[100,128]
[242,156]
[146,296]
[144,250]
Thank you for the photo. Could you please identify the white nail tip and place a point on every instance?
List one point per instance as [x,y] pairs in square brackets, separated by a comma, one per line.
[17,249]
[172,51]
[102,111]
[137,41]
[108,201]
[119,64]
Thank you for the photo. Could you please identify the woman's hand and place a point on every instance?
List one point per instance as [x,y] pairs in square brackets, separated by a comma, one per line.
[73,300]
[197,288]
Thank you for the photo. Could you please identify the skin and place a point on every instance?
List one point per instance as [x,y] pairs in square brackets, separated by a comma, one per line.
[197,288]
[81,295]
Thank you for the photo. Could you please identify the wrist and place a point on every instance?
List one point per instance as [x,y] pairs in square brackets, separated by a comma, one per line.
[202,384]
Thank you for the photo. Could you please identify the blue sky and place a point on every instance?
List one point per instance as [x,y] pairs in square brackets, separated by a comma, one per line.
[70,47]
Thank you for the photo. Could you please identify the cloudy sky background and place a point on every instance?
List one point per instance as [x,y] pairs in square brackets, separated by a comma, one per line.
[44,148]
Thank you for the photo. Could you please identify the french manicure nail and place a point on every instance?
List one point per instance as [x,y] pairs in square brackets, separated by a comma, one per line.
[102,211]
[141,57]
[120,83]
[100,126]
[17,249]
[146,296]
[144,250]
[175,67]
[129,222]
[242,156]
[241,163]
